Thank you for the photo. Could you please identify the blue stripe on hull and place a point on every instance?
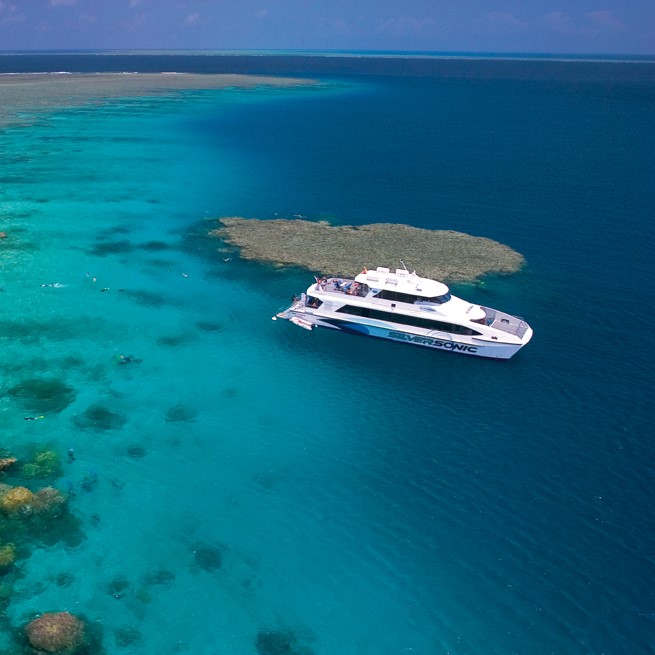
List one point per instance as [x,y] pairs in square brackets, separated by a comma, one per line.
[416,340]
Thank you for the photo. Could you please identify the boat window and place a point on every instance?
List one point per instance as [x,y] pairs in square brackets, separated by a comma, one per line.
[397,296]
[415,321]
[439,300]
[313,302]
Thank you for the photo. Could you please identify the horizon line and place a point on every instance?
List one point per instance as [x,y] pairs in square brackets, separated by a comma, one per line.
[408,54]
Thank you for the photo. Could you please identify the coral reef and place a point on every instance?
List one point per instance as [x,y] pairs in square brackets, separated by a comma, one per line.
[48,499]
[207,558]
[45,464]
[173,340]
[6,592]
[209,326]
[118,587]
[280,642]
[21,499]
[27,518]
[64,579]
[43,395]
[180,414]
[128,637]
[7,556]
[345,249]
[6,462]
[16,499]
[35,92]
[158,577]
[56,632]
[99,419]
[137,452]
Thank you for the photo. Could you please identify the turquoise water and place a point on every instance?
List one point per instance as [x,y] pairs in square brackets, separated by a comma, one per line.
[367,497]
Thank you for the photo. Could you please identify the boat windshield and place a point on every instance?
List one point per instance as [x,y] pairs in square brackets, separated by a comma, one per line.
[397,296]
[439,300]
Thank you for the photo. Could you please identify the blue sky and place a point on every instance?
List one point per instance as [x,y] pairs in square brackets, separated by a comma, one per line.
[549,26]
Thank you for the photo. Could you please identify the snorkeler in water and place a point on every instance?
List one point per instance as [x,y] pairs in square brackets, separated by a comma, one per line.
[127,359]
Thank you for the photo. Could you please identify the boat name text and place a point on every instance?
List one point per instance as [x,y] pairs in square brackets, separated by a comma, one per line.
[435,343]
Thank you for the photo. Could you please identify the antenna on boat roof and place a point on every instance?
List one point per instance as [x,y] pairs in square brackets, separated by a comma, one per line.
[405,267]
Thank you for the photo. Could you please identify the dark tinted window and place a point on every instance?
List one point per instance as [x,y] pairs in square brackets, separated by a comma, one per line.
[386,294]
[416,321]
[396,296]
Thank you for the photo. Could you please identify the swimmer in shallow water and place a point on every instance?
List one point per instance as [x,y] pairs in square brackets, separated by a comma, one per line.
[127,359]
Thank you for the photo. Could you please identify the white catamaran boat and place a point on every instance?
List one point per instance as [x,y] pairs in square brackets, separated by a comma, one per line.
[402,306]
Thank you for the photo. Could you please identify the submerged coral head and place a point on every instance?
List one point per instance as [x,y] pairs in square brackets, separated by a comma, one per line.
[56,632]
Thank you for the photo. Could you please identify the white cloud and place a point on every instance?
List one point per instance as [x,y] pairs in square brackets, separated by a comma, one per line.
[337,25]
[603,21]
[9,13]
[505,21]
[560,22]
[191,19]
[408,26]
[591,23]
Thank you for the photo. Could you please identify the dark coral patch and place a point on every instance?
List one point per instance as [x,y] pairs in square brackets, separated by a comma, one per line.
[65,579]
[118,586]
[136,452]
[127,637]
[161,263]
[172,341]
[158,577]
[118,229]
[99,419]
[180,414]
[207,558]
[279,642]
[210,326]
[43,394]
[147,298]
[155,246]
[112,248]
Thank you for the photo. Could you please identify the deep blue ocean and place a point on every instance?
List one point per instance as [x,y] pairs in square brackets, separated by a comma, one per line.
[248,488]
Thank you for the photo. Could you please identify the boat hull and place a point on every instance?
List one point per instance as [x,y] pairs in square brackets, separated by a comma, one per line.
[440,341]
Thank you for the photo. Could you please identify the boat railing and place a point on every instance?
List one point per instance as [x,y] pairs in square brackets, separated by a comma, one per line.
[298,304]
[505,322]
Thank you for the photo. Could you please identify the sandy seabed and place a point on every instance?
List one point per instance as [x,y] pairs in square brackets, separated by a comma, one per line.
[24,95]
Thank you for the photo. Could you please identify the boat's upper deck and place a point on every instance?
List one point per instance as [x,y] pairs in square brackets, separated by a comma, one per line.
[402,284]
[340,286]
[390,296]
